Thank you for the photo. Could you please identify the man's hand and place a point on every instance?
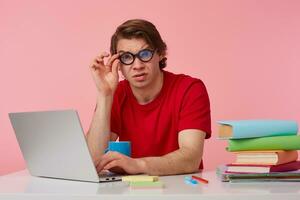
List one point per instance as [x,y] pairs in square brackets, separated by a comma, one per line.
[119,163]
[106,76]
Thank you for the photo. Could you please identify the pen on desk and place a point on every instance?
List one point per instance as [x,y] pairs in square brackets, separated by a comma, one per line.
[202,180]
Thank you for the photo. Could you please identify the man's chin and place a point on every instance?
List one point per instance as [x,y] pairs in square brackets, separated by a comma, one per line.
[139,85]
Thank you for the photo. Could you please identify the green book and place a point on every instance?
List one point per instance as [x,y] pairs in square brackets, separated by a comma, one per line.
[265,143]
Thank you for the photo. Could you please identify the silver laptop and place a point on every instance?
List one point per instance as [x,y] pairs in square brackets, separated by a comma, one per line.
[53,145]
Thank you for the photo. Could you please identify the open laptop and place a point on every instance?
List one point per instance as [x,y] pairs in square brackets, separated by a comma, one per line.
[53,145]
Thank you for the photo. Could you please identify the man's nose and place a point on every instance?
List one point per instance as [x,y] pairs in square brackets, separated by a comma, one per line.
[138,64]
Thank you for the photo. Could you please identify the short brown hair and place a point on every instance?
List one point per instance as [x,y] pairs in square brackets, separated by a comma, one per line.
[140,28]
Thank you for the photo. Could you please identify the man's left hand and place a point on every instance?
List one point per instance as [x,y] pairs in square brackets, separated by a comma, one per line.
[120,163]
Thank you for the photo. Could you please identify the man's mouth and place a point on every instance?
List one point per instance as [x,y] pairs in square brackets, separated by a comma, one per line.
[140,77]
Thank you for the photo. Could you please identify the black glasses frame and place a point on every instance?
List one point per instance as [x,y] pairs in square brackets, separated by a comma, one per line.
[137,55]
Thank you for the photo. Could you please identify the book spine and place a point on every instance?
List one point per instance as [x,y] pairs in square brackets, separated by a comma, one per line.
[291,166]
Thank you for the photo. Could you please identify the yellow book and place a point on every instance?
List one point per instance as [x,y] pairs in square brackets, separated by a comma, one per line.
[140,178]
[273,157]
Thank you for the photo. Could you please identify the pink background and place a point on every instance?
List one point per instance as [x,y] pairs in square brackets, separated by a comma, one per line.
[247,53]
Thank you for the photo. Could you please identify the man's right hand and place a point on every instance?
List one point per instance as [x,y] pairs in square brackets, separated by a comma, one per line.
[106,75]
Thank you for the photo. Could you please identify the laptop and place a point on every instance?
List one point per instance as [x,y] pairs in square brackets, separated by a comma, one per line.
[53,145]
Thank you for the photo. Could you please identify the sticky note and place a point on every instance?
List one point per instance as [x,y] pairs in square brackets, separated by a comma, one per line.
[140,178]
[146,185]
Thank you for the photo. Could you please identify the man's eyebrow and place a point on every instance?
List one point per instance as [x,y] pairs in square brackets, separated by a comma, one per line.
[146,46]
[121,51]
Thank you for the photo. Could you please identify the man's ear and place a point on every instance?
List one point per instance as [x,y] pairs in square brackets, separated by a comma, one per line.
[161,57]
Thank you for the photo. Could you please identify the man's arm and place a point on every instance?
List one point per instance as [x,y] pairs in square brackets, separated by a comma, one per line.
[184,160]
[106,78]
[99,131]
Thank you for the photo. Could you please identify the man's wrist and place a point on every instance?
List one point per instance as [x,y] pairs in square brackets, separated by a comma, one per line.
[104,101]
[105,98]
[142,164]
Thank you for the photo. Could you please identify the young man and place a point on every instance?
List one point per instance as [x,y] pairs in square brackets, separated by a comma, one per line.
[166,117]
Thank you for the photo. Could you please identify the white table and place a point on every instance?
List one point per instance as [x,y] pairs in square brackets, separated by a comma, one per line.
[21,185]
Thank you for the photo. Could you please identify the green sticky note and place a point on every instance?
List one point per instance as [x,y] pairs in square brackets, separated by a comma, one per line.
[146,184]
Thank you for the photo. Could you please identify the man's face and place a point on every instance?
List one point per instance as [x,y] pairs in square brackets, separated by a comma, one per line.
[139,74]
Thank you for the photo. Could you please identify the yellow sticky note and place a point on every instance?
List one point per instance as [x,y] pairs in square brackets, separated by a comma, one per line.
[140,178]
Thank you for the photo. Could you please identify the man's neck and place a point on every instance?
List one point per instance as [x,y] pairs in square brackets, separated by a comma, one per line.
[146,95]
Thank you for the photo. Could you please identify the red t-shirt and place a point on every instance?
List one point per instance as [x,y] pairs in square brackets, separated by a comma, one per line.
[153,128]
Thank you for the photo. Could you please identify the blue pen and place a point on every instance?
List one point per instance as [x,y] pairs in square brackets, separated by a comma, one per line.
[188,180]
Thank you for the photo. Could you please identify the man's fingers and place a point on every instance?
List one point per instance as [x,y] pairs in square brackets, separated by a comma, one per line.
[111,155]
[103,54]
[108,157]
[101,57]
[111,60]
[111,164]
[95,65]
[99,60]
[115,67]
[99,168]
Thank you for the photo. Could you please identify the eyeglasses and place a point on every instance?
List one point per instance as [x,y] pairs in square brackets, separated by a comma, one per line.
[145,55]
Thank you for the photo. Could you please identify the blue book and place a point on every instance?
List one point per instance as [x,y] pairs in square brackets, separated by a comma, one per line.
[236,129]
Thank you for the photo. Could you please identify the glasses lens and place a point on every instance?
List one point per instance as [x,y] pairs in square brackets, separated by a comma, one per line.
[145,55]
[126,58]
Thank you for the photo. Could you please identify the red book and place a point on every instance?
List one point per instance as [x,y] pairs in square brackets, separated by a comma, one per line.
[241,168]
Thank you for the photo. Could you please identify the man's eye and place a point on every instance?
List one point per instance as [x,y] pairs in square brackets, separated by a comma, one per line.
[126,57]
[145,54]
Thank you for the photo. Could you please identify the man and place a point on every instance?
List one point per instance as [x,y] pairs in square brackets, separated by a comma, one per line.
[166,117]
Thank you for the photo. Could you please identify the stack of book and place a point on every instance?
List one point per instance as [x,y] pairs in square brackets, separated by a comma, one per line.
[264,149]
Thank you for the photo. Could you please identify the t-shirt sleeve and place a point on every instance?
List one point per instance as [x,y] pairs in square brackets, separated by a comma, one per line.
[195,109]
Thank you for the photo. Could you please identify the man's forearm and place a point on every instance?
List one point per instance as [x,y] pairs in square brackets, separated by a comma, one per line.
[178,162]
[99,132]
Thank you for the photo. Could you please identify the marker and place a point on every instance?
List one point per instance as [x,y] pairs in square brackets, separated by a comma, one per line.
[188,180]
[202,180]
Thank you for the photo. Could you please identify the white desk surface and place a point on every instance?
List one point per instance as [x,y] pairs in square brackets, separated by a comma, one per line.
[20,185]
